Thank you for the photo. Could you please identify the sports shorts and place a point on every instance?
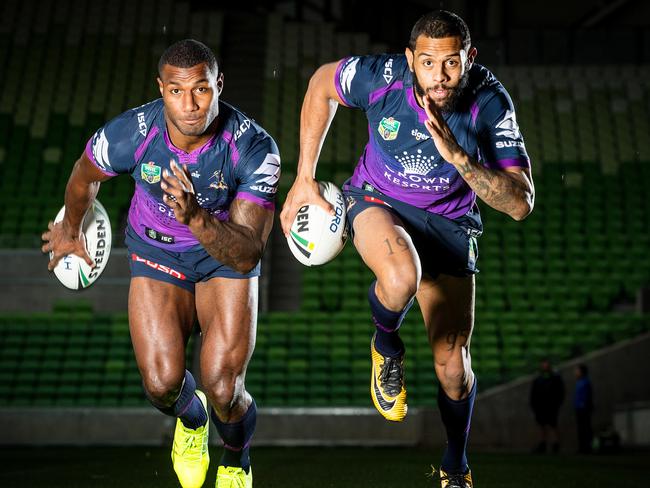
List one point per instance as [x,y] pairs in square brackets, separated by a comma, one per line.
[447,246]
[182,269]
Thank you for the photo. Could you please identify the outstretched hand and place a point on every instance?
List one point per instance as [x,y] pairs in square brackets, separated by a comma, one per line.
[178,193]
[441,134]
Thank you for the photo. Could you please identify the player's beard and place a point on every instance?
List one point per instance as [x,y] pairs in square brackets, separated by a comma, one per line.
[454,95]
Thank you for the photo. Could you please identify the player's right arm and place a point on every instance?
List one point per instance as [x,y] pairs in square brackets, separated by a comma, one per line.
[66,237]
[109,152]
[318,110]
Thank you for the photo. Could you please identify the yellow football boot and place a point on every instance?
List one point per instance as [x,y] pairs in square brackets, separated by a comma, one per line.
[190,451]
[387,385]
[232,477]
[458,480]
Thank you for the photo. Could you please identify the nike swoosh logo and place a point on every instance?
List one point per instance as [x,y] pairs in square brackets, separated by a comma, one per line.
[385,405]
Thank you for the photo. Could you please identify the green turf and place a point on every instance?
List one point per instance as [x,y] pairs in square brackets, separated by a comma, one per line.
[317,468]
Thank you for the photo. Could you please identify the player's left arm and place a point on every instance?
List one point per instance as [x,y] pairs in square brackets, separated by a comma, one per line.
[238,242]
[509,190]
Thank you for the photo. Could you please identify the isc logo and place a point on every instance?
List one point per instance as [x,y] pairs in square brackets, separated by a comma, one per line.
[142,125]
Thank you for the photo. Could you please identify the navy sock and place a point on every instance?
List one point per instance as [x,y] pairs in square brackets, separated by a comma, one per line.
[236,438]
[188,406]
[456,416]
[387,322]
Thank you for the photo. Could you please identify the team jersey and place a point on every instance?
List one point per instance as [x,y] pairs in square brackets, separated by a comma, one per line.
[400,159]
[240,161]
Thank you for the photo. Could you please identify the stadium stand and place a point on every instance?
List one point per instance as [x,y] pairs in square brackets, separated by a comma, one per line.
[558,284]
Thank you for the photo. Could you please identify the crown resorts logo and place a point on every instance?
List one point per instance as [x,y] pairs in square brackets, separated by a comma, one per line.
[416,164]
[388,128]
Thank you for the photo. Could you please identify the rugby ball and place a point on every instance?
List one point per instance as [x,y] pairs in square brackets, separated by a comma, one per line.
[316,237]
[72,270]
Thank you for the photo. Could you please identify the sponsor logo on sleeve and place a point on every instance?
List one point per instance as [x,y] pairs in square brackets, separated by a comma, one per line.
[269,171]
[142,125]
[150,173]
[347,74]
[388,128]
[100,150]
[508,126]
[504,144]
[243,127]
[388,71]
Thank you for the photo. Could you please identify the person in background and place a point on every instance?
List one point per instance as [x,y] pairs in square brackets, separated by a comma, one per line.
[546,397]
[584,406]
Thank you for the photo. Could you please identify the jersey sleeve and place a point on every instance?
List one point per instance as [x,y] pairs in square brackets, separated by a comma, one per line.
[358,77]
[501,144]
[113,146]
[258,172]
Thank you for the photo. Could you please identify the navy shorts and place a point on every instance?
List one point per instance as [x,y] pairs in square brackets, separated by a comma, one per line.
[447,246]
[182,269]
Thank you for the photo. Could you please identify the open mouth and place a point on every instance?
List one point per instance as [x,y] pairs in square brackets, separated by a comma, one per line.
[439,93]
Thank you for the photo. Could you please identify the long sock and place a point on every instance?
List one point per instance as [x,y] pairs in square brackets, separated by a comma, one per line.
[188,406]
[387,322]
[236,438]
[456,416]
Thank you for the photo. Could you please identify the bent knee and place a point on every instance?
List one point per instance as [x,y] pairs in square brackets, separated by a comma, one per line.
[225,388]
[398,285]
[454,371]
[163,385]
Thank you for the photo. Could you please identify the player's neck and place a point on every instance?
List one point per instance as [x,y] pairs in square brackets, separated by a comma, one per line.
[190,143]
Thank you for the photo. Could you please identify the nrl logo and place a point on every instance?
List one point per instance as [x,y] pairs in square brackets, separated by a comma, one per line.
[388,128]
[220,182]
[150,173]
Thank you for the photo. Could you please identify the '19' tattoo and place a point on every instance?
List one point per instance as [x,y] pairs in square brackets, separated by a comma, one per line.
[401,242]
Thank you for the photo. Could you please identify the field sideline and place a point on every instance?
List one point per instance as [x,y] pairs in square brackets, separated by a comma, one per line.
[144,467]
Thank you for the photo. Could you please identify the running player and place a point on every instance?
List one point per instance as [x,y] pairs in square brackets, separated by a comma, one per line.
[442,132]
[205,181]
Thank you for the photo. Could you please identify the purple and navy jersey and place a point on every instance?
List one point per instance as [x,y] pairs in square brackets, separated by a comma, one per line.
[400,159]
[240,161]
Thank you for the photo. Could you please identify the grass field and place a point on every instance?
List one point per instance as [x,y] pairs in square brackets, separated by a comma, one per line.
[317,468]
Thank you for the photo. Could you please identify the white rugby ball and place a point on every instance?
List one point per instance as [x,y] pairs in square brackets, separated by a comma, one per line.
[72,270]
[316,237]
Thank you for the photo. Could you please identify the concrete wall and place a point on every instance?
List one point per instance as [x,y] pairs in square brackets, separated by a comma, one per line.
[27,286]
[619,375]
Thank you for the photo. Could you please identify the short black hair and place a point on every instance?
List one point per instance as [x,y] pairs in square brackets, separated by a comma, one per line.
[188,53]
[439,24]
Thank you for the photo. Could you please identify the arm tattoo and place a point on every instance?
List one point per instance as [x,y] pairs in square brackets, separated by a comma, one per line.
[497,188]
[238,242]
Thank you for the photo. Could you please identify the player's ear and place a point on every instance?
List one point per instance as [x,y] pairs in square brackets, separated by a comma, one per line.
[160,85]
[220,84]
[409,57]
[471,55]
